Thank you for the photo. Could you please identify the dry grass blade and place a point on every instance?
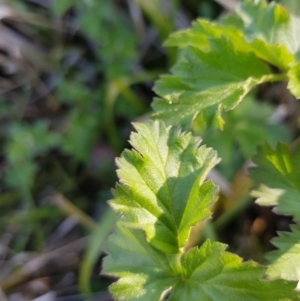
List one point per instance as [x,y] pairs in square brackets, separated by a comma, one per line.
[40,265]
[67,207]
[20,46]
[2,295]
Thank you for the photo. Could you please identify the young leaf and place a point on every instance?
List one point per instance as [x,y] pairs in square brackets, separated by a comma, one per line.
[267,30]
[202,79]
[207,273]
[232,27]
[254,20]
[270,23]
[162,188]
[278,173]
[269,26]
[284,261]
[198,35]
[266,33]
[273,35]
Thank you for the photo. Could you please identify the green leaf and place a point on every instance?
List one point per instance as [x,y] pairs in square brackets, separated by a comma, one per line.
[246,127]
[81,134]
[292,6]
[23,144]
[60,7]
[294,80]
[278,172]
[277,54]
[145,271]
[207,273]
[94,249]
[232,27]
[196,36]
[71,92]
[284,260]
[271,31]
[96,18]
[202,79]
[270,23]
[162,188]
[257,33]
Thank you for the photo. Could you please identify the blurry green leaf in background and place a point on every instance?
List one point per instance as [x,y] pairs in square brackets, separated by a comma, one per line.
[25,142]
[247,126]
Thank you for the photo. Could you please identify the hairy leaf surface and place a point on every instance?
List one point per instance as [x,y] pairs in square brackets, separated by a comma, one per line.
[278,173]
[271,29]
[271,23]
[233,27]
[207,78]
[145,272]
[284,261]
[267,30]
[207,273]
[220,77]
[162,188]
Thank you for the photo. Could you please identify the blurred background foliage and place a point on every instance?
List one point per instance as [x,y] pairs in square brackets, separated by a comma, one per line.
[74,74]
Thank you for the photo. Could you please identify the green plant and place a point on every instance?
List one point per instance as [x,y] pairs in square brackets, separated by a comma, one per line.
[73,76]
[162,191]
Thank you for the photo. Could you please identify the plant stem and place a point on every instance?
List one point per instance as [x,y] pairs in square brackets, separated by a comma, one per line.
[275,78]
[124,90]
[37,231]
[110,126]
[94,249]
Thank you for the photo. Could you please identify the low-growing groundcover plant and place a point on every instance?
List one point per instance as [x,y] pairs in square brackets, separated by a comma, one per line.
[163,190]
